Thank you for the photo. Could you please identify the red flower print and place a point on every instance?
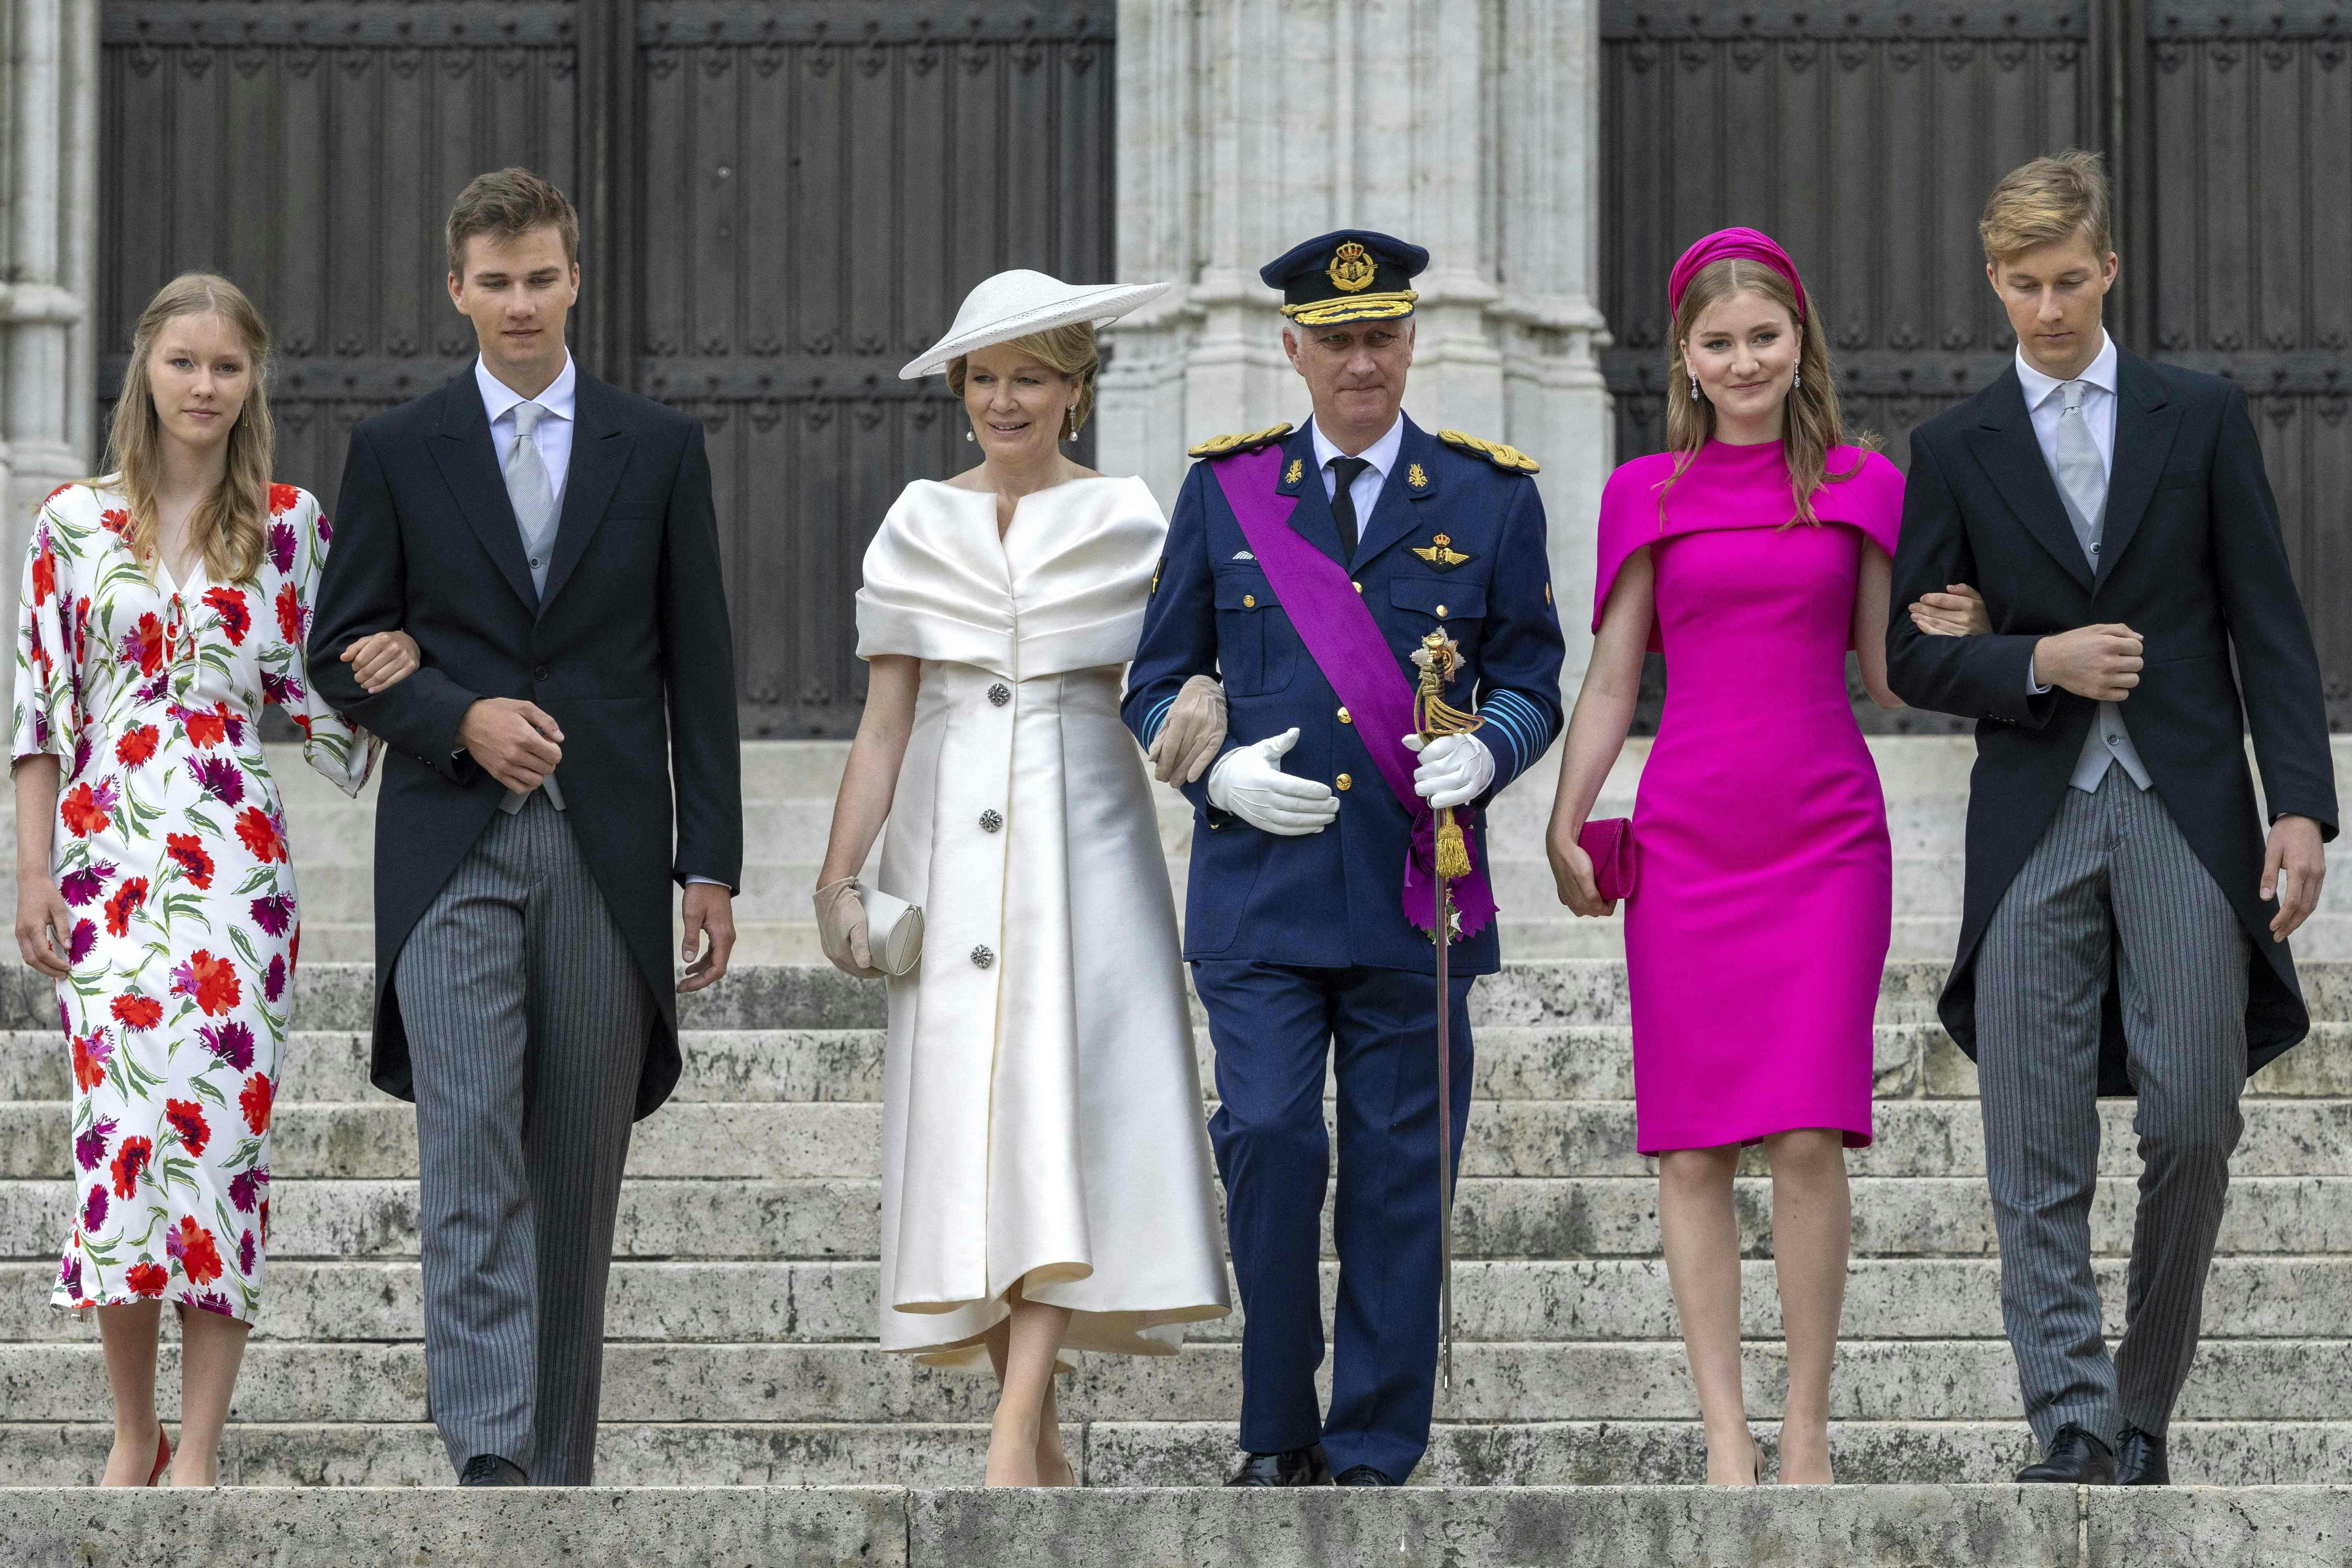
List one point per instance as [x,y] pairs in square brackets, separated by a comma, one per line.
[136,1011]
[283,498]
[84,811]
[273,980]
[147,1278]
[255,1100]
[56,493]
[206,727]
[116,521]
[44,576]
[211,980]
[127,902]
[235,616]
[143,646]
[293,615]
[187,1120]
[189,853]
[138,745]
[89,1056]
[281,547]
[84,938]
[199,1254]
[260,835]
[129,1161]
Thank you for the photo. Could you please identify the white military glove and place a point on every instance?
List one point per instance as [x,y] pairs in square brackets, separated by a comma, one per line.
[841,928]
[1249,781]
[1194,729]
[1453,769]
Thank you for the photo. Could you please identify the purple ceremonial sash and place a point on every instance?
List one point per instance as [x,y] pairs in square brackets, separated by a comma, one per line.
[1349,646]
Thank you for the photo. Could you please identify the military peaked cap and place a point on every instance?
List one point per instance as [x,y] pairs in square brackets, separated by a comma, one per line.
[1354,275]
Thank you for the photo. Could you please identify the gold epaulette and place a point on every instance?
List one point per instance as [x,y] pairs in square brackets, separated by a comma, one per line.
[1220,445]
[1509,459]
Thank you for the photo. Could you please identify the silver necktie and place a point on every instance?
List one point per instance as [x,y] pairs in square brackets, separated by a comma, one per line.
[529,488]
[2082,476]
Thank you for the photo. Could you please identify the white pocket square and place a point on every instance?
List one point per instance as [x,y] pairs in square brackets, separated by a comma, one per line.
[1244,555]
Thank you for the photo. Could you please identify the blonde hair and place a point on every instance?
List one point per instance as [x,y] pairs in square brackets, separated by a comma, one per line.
[1813,424]
[506,204]
[2048,201]
[227,525]
[1067,351]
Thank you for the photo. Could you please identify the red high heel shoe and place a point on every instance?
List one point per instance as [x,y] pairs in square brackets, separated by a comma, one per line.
[162,1459]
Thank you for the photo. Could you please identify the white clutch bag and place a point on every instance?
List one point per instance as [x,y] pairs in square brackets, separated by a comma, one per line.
[894,931]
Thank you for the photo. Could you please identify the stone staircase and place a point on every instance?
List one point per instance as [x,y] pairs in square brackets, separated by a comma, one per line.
[743,1308]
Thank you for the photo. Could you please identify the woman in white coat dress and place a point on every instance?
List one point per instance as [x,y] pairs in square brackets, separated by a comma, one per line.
[1046,1173]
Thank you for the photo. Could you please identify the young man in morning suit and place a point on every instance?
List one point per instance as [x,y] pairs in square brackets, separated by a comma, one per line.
[2114,515]
[1285,546]
[549,541]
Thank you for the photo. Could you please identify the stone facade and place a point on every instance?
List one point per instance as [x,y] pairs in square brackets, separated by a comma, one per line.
[1467,126]
[48,253]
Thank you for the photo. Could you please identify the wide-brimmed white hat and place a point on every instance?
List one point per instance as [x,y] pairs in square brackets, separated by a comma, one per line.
[1016,303]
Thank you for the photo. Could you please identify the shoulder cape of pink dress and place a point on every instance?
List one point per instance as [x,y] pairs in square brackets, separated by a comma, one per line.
[1755,940]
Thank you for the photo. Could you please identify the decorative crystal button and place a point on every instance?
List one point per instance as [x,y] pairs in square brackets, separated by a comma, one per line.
[990,822]
[982,956]
[1000,694]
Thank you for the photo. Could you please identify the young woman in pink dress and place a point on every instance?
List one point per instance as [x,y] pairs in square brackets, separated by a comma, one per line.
[1754,553]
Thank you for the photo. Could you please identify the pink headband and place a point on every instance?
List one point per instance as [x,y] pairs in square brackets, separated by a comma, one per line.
[1723,245]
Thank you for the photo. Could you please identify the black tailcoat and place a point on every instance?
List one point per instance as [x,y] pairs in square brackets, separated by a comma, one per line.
[629,652]
[2191,558]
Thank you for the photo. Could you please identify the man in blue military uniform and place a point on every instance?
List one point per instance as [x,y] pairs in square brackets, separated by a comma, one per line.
[1307,825]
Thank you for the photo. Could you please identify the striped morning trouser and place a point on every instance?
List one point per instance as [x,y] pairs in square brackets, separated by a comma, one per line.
[526,1024]
[2112,885]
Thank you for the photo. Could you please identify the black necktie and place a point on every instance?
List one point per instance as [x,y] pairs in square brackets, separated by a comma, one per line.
[1343,501]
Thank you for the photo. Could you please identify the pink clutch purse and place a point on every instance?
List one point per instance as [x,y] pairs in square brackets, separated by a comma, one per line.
[1609,842]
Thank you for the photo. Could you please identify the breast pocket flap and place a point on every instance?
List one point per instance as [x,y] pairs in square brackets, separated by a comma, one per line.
[1439,598]
[1238,590]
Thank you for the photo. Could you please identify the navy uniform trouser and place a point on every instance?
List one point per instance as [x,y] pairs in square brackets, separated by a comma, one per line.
[1272,1026]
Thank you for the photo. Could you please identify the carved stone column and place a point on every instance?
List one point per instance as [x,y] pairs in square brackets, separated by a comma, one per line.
[48,240]
[1466,126]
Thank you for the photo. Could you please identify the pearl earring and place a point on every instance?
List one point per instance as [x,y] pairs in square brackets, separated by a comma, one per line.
[1070,424]
[1694,388]
[969,435]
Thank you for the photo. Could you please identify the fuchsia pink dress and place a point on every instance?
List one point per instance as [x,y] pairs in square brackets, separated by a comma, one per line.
[1759,921]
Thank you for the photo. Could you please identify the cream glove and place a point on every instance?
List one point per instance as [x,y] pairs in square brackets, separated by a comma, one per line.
[841,927]
[1194,729]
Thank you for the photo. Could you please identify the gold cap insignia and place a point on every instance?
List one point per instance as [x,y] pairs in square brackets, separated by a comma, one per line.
[1350,269]
[1440,552]
[1219,446]
[1298,467]
[1417,476]
[1508,458]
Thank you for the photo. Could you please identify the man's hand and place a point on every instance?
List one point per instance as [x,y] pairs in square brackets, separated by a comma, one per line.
[516,743]
[41,910]
[2101,663]
[1455,770]
[1250,782]
[1958,611]
[2294,866]
[705,909]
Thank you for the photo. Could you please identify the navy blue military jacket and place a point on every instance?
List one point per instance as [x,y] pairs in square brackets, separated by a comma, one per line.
[1333,899]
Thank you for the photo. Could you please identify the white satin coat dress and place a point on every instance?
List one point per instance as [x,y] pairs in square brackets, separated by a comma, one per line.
[1041,1113]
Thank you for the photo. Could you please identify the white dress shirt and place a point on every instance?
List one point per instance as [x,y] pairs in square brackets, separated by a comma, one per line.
[1365,491]
[553,434]
[2109,742]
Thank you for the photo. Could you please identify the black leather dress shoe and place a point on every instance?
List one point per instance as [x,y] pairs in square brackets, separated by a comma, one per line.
[2076,1460]
[1292,1468]
[2139,1459]
[489,1470]
[1361,1476]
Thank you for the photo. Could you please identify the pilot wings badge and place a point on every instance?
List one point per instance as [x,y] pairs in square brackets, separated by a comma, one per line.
[1440,552]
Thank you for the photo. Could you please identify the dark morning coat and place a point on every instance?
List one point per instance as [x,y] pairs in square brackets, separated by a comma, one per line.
[2192,560]
[1334,899]
[630,652]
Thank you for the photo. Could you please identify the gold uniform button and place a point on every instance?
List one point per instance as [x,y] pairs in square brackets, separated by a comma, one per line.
[1343,716]
[1441,612]
[1344,781]
[1358,587]
[1249,600]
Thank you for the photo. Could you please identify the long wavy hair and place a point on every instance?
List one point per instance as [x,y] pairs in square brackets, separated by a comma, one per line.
[1813,425]
[230,525]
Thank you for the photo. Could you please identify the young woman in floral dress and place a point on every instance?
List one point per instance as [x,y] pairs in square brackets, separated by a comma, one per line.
[163,608]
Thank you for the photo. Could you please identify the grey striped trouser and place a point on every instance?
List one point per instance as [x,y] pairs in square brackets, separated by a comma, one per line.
[2112,885]
[527,1025]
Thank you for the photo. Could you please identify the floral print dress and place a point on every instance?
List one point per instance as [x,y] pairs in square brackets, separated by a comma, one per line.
[169,845]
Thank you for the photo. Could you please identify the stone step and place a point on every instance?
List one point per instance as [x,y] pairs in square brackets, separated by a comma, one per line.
[1873,1380]
[1534,1218]
[1516,1138]
[1513,1300]
[887,1527]
[1157,1454]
